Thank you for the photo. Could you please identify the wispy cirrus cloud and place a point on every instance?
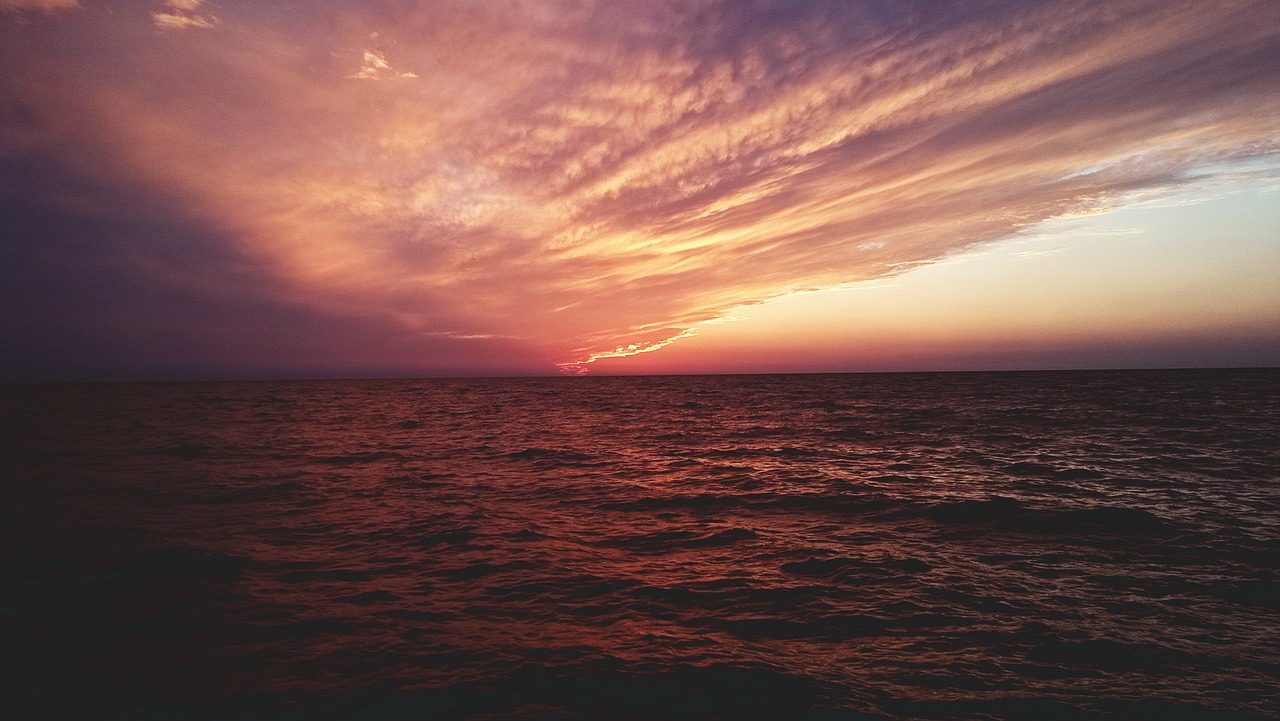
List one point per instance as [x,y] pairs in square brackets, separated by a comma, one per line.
[182,15]
[595,179]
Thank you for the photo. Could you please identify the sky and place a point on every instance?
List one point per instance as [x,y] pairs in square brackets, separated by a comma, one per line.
[227,189]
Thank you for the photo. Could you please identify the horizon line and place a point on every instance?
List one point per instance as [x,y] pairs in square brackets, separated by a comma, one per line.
[553,376]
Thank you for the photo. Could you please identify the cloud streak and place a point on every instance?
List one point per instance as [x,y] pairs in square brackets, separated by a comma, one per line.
[182,15]
[596,179]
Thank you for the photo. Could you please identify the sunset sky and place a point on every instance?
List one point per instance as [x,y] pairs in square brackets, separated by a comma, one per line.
[228,189]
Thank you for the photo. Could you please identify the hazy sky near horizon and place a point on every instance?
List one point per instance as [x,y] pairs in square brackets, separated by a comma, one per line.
[248,189]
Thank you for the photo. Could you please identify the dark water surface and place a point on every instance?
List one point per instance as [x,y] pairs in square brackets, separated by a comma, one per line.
[910,546]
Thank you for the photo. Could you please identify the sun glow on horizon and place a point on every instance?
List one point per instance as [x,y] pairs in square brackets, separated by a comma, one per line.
[1128,284]
[579,367]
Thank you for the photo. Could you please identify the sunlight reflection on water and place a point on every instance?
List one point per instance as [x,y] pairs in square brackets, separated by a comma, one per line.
[900,546]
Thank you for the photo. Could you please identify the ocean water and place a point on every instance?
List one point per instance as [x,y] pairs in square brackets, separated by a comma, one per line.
[1097,545]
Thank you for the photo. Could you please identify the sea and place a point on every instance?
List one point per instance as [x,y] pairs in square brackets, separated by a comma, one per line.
[996,546]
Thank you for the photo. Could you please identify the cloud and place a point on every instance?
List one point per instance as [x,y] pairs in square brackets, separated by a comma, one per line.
[374,67]
[594,179]
[39,5]
[1041,253]
[182,15]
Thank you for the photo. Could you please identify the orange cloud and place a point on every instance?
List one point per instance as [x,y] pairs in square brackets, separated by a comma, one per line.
[597,179]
